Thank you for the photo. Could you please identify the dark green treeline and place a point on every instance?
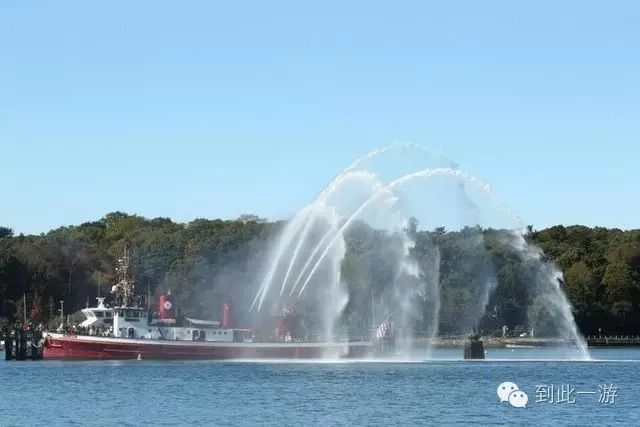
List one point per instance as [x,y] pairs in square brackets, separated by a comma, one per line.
[217,260]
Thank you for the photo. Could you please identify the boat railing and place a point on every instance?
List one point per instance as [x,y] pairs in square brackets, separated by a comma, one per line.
[89,331]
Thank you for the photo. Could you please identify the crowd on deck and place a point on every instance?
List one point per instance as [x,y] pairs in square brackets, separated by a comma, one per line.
[98,331]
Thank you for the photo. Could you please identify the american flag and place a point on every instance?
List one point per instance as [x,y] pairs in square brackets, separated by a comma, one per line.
[382,330]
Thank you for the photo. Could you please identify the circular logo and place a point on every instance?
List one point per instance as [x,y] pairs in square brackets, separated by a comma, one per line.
[167,305]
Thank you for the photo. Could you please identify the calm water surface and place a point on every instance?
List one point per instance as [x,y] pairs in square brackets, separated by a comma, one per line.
[442,391]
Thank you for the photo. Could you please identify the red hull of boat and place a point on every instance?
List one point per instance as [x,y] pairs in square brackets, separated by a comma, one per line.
[72,347]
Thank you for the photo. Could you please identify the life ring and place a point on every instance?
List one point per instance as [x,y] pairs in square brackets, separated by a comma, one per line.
[167,305]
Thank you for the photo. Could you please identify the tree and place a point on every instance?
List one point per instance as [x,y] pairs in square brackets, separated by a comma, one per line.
[244,218]
[619,286]
[36,314]
[585,294]
[5,232]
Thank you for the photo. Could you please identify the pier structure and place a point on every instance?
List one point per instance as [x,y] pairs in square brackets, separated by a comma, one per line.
[22,345]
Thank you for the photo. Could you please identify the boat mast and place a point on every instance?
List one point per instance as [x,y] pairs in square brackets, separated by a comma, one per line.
[125,287]
[148,295]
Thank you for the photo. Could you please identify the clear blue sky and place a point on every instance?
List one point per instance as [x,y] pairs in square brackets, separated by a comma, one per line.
[214,109]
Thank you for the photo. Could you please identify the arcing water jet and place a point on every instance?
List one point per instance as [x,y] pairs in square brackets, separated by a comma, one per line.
[283,242]
[331,188]
[426,173]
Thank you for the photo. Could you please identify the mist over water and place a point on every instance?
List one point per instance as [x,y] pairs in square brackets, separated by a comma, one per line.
[304,264]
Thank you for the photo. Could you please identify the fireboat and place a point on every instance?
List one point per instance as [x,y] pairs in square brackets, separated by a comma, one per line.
[129,331]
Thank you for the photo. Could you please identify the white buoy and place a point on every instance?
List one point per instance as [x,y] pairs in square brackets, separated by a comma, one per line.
[139,356]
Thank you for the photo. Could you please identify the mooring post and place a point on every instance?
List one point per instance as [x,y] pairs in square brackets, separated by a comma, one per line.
[21,347]
[474,347]
[8,345]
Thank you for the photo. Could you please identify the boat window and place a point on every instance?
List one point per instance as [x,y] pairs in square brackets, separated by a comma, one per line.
[203,335]
[195,335]
[225,332]
[108,314]
[99,314]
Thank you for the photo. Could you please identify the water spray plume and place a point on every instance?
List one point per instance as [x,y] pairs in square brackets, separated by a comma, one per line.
[296,251]
[286,241]
[311,257]
[331,188]
[283,243]
[426,173]
[319,204]
[332,230]
[550,288]
[316,235]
